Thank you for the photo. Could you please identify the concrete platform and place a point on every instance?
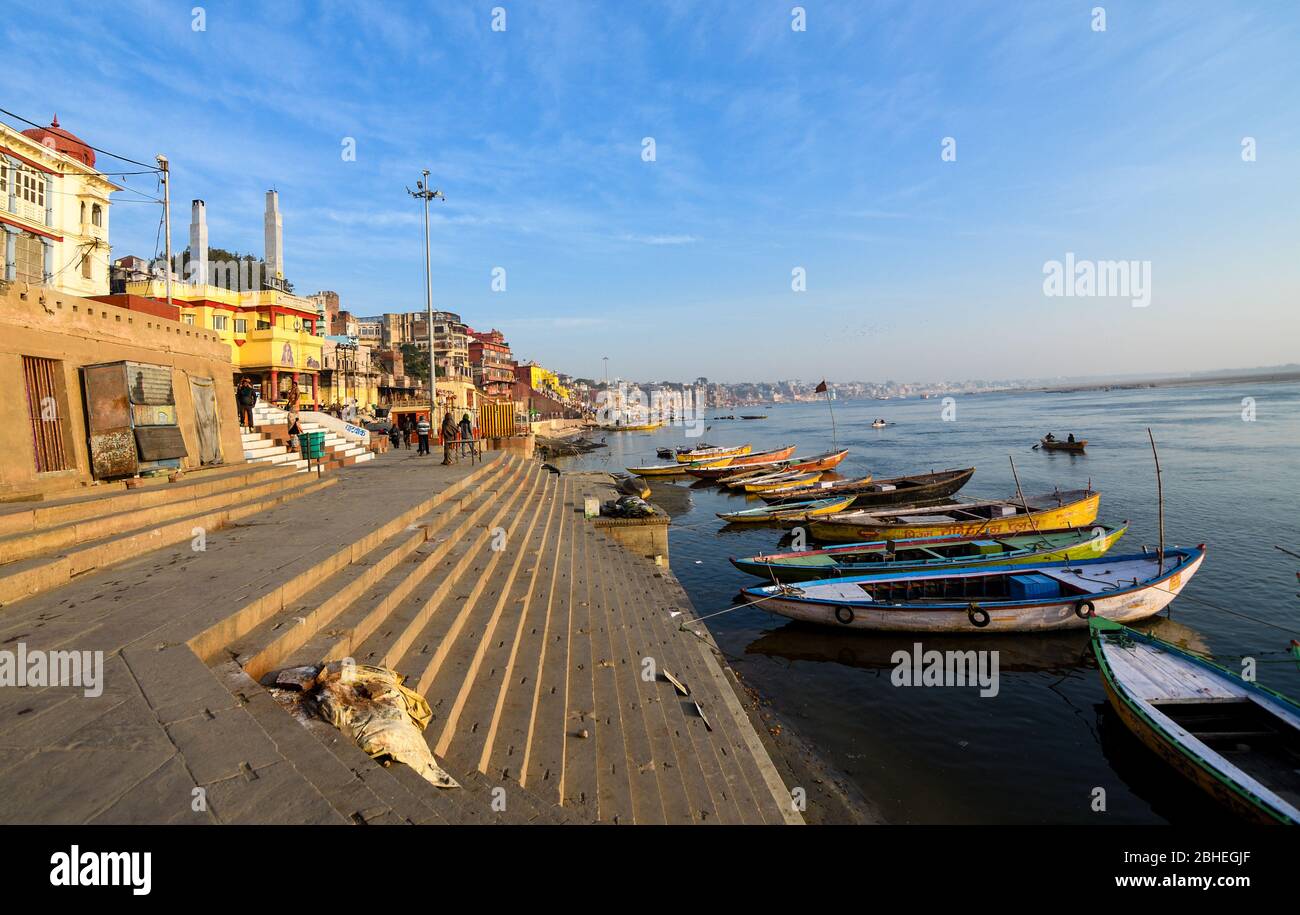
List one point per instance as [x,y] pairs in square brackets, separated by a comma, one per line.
[539,643]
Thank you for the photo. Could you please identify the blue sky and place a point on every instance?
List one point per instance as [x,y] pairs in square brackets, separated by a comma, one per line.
[775,149]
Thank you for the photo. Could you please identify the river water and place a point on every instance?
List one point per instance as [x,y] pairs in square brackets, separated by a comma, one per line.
[1038,750]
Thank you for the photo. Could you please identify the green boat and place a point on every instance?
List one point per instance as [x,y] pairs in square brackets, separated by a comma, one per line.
[922,553]
[1236,740]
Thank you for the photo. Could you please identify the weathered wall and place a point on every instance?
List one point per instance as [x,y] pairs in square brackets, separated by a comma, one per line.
[38,321]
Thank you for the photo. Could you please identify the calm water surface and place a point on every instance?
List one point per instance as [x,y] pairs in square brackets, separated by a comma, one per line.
[1036,751]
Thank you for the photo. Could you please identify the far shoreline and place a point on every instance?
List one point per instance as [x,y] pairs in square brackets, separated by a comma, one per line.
[1121,385]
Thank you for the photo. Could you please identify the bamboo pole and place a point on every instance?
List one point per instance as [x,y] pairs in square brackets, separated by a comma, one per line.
[1023,503]
[835,445]
[1160,498]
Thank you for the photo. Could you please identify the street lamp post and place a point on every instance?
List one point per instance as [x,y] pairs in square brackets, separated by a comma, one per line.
[424,193]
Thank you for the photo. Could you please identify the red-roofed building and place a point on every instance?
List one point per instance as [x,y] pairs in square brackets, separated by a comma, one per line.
[491,363]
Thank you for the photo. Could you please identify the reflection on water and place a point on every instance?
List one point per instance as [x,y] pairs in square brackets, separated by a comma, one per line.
[1035,751]
[1050,652]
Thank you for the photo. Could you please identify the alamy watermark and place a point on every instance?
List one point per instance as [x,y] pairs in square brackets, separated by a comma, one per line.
[629,405]
[37,669]
[919,667]
[1098,279]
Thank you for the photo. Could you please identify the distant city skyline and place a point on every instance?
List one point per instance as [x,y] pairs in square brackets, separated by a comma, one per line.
[653,184]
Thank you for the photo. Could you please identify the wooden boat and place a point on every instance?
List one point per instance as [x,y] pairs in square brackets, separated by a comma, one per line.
[1236,740]
[1026,598]
[795,512]
[894,491]
[730,469]
[757,416]
[776,481]
[749,473]
[763,457]
[1055,445]
[1068,508]
[666,470]
[879,424]
[633,427]
[704,454]
[827,460]
[920,553]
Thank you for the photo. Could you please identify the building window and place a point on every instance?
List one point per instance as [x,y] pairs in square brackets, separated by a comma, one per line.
[97,215]
[29,259]
[218,322]
[86,267]
[30,186]
[187,319]
[241,325]
[4,179]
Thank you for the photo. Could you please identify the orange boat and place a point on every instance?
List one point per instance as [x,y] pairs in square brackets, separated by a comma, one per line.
[763,457]
[828,461]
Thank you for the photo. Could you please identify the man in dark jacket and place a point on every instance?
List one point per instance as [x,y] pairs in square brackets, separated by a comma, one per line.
[466,433]
[246,397]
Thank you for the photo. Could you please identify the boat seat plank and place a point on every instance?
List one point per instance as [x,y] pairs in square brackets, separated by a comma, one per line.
[1114,577]
[1153,676]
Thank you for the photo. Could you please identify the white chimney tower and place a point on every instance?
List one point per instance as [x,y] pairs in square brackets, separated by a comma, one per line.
[274,236]
[198,269]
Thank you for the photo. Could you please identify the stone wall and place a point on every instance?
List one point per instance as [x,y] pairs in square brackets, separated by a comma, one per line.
[41,322]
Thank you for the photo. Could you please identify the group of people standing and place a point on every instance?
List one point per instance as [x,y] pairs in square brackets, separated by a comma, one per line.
[452,433]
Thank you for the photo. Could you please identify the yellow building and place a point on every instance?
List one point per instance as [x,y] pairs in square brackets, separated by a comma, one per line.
[53,211]
[273,336]
[542,379]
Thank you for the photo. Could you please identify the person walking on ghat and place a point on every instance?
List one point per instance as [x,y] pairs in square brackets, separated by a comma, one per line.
[449,436]
[422,430]
[466,433]
[246,397]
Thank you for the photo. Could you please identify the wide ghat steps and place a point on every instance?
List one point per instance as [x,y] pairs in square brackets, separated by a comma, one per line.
[401,577]
[51,558]
[540,646]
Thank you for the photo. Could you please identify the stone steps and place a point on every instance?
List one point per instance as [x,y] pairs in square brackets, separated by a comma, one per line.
[470,738]
[687,793]
[344,608]
[113,498]
[26,577]
[695,746]
[229,628]
[527,630]
[738,747]
[56,537]
[455,525]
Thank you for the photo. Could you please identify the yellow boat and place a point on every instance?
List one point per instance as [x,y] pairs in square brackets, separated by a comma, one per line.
[707,454]
[668,470]
[792,481]
[796,512]
[1070,508]
[640,427]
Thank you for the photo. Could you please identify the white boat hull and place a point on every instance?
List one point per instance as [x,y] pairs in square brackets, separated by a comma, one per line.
[1047,616]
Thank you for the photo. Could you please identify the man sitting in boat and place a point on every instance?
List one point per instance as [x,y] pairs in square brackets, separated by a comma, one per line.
[1071,438]
[1049,437]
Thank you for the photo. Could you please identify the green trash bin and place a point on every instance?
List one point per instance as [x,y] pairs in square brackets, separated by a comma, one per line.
[312,444]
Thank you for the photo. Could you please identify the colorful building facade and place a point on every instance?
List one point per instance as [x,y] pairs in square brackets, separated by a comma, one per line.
[274,336]
[53,211]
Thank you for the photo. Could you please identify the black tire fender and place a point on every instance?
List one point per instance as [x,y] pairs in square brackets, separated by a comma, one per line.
[1084,610]
[978,616]
[844,614]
